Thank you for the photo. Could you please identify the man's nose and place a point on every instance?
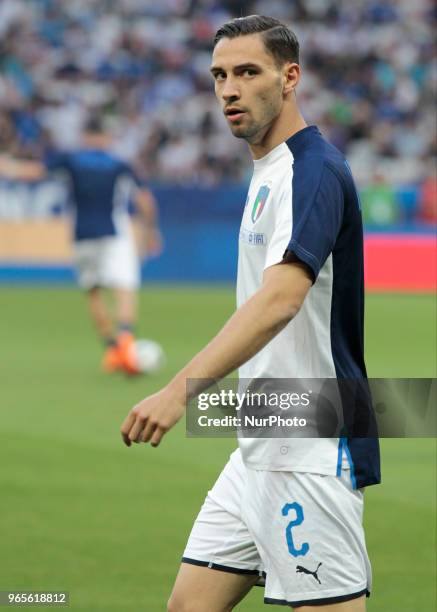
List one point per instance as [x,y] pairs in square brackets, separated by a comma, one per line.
[230,90]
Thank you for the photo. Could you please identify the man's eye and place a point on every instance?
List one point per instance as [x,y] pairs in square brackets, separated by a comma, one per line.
[219,76]
[249,72]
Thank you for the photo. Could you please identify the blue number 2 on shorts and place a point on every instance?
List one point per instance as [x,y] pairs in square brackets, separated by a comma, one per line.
[296,552]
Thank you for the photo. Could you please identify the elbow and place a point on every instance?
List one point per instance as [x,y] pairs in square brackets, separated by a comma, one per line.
[290,310]
[284,308]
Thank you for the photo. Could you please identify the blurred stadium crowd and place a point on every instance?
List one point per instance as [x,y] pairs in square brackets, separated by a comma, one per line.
[369,81]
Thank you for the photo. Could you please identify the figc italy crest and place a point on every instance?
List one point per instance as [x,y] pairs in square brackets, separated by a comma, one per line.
[260,202]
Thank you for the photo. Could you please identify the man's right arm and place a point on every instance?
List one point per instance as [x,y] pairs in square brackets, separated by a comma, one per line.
[22,170]
[249,329]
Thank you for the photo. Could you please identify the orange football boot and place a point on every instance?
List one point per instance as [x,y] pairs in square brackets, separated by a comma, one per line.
[112,359]
[126,350]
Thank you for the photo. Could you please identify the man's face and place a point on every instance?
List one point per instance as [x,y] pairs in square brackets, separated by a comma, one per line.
[248,85]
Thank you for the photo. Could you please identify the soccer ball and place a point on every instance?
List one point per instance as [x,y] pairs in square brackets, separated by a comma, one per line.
[149,356]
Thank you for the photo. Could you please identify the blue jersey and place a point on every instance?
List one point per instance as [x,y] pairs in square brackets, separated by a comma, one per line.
[100,188]
[302,199]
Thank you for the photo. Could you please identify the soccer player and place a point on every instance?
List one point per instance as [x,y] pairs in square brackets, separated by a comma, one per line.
[105,253]
[285,511]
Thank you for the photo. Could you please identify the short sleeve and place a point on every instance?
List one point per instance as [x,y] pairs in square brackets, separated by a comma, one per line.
[317,217]
[127,170]
[56,160]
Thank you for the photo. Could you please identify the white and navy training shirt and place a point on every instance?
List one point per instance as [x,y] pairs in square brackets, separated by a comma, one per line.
[302,198]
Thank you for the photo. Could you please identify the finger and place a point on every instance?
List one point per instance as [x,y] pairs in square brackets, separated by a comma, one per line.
[137,429]
[148,431]
[158,434]
[126,427]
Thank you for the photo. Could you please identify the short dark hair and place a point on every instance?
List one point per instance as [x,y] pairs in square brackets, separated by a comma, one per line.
[279,40]
[94,124]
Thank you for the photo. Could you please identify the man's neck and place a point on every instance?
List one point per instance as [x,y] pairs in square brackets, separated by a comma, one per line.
[287,124]
[96,142]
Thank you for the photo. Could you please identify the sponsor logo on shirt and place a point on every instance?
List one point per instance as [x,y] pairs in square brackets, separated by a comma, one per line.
[260,202]
[252,238]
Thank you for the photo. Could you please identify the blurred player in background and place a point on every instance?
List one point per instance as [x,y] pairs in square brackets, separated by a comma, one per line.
[105,253]
[285,510]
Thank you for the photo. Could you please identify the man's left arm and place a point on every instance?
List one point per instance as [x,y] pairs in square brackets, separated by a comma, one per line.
[146,206]
[249,329]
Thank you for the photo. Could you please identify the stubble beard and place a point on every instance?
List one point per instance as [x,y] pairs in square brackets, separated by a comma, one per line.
[256,130]
[246,133]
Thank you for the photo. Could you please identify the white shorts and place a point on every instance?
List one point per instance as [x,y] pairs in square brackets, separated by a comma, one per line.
[110,261]
[301,533]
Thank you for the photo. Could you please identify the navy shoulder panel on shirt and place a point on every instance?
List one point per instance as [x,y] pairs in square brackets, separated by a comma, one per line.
[327,220]
[311,153]
[319,191]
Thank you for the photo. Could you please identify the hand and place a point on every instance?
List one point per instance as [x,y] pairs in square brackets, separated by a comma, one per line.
[154,244]
[149,420]
[6,166]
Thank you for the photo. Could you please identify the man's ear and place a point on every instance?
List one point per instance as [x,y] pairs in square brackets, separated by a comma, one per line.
[291,76]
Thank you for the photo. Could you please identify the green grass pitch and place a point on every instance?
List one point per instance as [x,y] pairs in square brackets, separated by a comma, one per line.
[81,512]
